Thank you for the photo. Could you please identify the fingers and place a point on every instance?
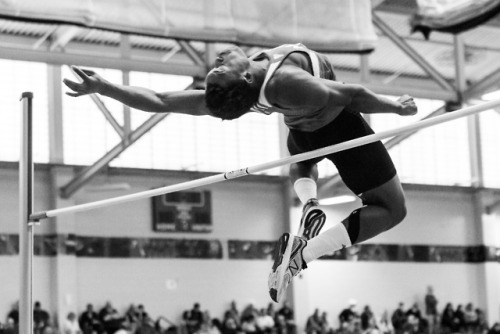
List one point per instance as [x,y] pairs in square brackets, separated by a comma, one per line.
[81,73]
[74,86]
[406,98]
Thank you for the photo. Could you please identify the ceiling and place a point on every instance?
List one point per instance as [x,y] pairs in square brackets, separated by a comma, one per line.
[401,62]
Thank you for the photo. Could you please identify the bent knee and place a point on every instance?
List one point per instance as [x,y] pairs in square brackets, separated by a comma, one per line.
[398,213]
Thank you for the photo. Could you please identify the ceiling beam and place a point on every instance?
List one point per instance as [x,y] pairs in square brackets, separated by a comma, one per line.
[102,61]
[411,52]
[87,173]
[489,83]
[62,36]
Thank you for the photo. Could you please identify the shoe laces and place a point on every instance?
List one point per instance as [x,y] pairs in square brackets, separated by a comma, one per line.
[296,262]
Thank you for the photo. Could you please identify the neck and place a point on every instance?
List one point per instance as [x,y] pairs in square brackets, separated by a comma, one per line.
[259,70]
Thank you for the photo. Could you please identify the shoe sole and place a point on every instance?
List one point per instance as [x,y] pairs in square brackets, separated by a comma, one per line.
[281,257]
[318,219]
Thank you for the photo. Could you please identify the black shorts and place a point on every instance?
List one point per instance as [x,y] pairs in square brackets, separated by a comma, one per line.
[361,168]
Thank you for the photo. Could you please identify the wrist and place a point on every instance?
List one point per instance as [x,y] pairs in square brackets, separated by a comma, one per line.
[104,88]
[399,109]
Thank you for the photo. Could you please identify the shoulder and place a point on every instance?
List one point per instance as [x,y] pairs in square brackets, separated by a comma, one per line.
[293,86]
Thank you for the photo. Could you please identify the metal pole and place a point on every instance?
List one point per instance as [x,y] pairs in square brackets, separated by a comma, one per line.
[410,52]
[272,164]
[25,210]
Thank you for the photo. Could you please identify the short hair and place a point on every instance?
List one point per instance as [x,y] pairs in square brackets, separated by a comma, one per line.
[230,102]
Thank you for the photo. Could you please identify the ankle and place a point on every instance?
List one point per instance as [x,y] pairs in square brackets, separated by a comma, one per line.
[310,203]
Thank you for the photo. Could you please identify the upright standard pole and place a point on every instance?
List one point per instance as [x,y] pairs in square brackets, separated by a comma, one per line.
[25,210]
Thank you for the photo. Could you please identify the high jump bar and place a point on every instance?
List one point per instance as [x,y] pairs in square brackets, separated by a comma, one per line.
[272,164]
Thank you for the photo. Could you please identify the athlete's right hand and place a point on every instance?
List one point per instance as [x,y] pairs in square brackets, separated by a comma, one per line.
[91,83]
[409,106]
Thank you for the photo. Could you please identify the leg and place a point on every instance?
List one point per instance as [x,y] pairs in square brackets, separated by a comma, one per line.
[303,176]
[384,208]
[303,169]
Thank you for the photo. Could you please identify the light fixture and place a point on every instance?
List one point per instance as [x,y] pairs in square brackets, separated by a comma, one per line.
[337,200]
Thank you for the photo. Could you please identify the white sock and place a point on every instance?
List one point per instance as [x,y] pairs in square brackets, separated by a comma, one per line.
[305,188]
[331,240]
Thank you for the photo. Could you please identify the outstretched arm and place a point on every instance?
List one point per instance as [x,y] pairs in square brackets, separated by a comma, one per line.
[190,102]
[297,88]
[367,102]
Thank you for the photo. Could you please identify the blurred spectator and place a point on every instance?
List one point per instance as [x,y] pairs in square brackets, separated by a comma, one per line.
[384,325]
[416,319]
[89,321]
[195,318]
[41,319]
[459,318]
[235,313]
[265,323]
[431,312]
[482,323]
[314,324]
[398,319]
[448,324]
[281,326]
[185,326]
[367,319]
[13,315]
[271,311]
[415,311]
[325,324]
[249,324]
[12,322]
[249,310]
[132,318]
[229,323]
[349,318]
[165,326]
[70,325]
[412,325]
[287,312]
[142,315]
[146,323]
[495,329]
[470,318]
[110,319]
[207,326]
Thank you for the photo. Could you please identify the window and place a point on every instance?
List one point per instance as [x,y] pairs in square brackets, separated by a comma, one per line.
[201,143]
[19,77]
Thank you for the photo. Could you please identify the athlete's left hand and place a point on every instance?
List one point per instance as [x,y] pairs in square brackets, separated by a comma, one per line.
[408,105]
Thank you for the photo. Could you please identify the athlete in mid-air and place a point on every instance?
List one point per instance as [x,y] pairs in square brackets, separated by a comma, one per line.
[319,111]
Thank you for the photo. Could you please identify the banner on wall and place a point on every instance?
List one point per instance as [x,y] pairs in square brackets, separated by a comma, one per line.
[323,25]
[183,211]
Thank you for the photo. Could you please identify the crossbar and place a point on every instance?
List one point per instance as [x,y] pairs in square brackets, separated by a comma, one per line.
[272,164]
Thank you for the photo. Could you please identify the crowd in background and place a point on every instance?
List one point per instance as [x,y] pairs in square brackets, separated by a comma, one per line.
[267,320]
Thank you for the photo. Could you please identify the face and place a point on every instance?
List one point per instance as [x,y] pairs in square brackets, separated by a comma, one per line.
[230,66]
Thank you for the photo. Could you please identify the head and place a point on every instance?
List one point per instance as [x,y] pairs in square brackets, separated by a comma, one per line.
[230,86]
